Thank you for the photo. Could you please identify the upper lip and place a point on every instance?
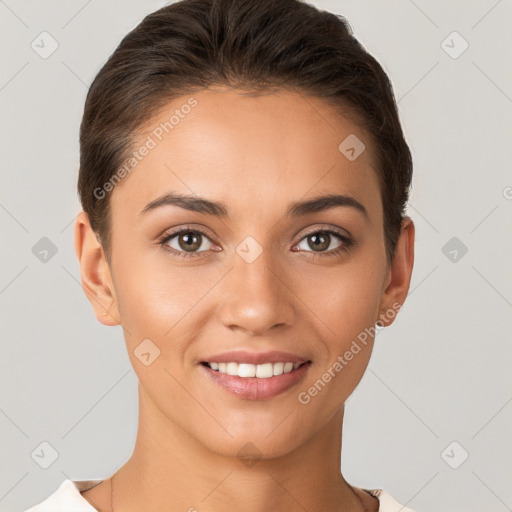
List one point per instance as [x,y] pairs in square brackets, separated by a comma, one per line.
[242,356]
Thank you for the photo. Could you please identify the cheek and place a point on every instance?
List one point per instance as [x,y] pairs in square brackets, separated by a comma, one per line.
[345,304]
[163,303]
[344,298]
[151,294]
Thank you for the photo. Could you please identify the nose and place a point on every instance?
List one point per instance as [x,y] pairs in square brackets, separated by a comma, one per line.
[256,296]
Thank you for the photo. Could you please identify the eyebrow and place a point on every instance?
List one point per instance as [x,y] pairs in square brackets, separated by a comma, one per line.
[219,209]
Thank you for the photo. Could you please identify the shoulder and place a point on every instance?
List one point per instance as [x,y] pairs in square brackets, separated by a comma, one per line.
[386,502]
[67,498]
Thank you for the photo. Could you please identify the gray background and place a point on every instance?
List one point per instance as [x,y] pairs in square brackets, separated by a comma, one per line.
[441,373]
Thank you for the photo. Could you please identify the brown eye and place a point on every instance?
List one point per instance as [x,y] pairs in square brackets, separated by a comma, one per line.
[321,242]
[187,241]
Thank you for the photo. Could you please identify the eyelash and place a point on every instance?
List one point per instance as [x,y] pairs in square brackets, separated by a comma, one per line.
[347,243]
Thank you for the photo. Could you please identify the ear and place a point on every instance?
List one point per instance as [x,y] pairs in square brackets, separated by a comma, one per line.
[398,279]
[95,273]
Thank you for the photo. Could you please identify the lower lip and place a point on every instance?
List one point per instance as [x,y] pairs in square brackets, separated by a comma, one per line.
[253,388]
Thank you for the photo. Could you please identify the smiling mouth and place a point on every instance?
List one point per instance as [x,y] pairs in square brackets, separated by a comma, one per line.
[259,371]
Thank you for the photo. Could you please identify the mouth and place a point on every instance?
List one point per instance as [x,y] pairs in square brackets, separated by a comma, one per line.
[250,381]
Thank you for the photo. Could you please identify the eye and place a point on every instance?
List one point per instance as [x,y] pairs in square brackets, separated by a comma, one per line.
[189,243]
[186,242]
[321,241]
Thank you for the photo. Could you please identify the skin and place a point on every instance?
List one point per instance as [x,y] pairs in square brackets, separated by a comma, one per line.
[257,155]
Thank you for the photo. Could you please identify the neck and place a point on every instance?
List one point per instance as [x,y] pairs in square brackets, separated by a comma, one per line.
[169,470]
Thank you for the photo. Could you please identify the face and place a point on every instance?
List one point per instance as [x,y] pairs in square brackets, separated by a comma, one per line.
[253,274]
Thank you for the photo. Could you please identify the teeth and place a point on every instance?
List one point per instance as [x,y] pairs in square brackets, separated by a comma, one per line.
[261,371]
[246,370]
[232,368]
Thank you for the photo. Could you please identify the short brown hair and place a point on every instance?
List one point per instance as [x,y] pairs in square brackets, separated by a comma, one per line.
[259,45]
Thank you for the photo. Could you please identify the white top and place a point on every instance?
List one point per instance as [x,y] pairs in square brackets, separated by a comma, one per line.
[67,498]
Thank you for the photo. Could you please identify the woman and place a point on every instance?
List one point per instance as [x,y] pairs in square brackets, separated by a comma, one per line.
[244,179]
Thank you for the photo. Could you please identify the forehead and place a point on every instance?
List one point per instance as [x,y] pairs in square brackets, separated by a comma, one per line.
[260,150]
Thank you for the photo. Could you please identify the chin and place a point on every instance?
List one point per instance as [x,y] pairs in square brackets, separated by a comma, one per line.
[253,440]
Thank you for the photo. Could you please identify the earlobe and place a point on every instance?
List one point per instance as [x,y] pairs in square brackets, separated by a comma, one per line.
[94,272]
[399,275]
